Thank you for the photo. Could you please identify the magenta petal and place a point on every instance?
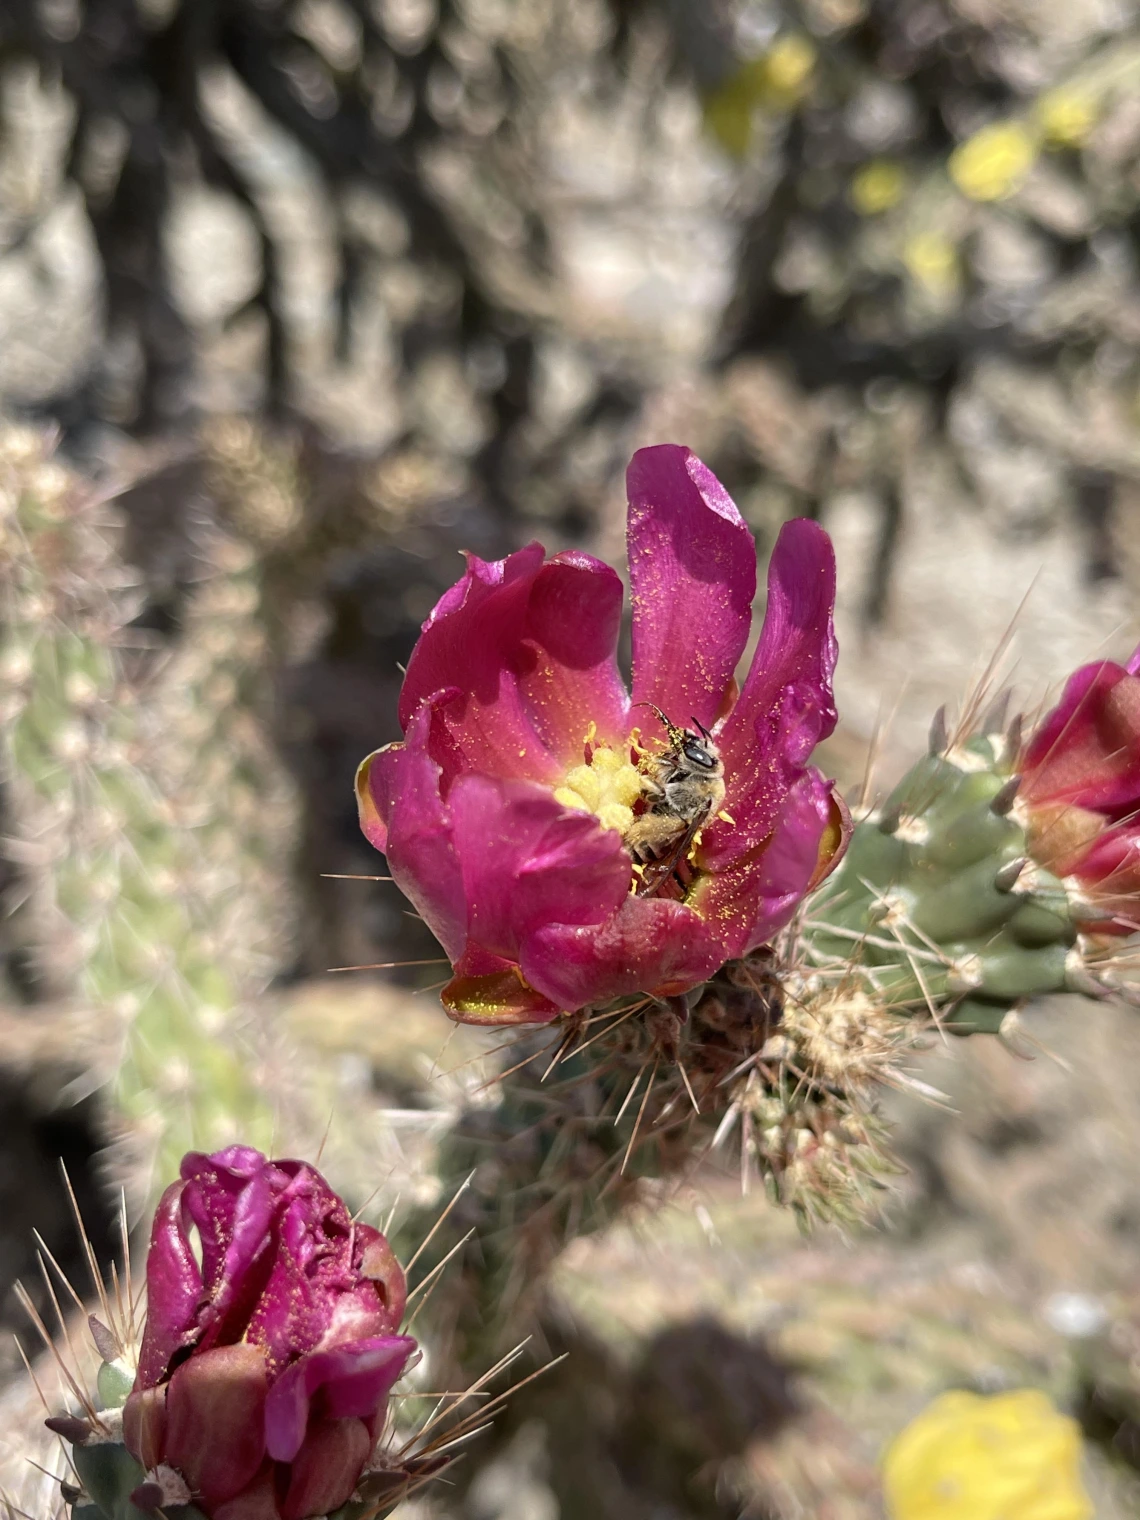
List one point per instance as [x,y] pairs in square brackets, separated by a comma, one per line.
[489,595]
[649,945]
[1112,861]
[497,1000]
[217,1189]
[313,1292]
[383,1273]
[232,1213]
[529,861]
[786,706]
[472,642]
[1109,870]
[530,649]
[486,989]
[753,899]
[352,1380]
[291,1313]
[402,783]
[692,570]
[174,1289]
[1087,750]
[573,619]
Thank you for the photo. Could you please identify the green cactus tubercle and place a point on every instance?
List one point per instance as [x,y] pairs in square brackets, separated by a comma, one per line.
[940,902]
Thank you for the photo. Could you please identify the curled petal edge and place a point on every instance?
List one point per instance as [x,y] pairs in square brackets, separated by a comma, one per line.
[352,1380]
[373,827]
[834,840]
[498,997]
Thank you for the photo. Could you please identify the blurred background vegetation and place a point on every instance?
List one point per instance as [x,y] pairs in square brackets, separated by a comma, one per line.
[311,294]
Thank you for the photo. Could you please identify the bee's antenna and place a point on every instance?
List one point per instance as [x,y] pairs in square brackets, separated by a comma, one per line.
[698,724]
[676,734]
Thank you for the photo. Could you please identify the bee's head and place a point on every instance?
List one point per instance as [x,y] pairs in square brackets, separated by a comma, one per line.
[698,752]
[697,748]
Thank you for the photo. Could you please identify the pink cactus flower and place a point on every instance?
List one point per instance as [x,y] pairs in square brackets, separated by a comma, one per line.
[1081,788]
[265,1370]
[547,824]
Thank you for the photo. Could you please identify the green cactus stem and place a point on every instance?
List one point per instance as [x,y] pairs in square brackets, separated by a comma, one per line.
[941,903]
[775,1071]
[145,871]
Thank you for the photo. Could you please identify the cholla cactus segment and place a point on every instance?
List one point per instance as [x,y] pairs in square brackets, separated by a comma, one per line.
[1002,865]
[230,805]
[939,901]
[126,898]
[256,477]
[566,850]
[773,1071]
[262,1385]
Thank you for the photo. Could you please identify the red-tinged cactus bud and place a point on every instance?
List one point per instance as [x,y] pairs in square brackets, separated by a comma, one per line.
[1080,790]
[570,842]
[265,1371]
[259,1388]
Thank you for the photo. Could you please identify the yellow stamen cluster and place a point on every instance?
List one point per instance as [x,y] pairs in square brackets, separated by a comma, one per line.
[607,786]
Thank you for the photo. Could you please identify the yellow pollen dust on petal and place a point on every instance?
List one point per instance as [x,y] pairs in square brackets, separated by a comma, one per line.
[607,787]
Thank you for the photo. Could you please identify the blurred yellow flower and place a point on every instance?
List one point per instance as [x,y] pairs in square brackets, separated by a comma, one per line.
[729,109]
[994,161]
[775,81]
[1067,116]
[790,62]
[1009,1456]
[877,187]
[933,261]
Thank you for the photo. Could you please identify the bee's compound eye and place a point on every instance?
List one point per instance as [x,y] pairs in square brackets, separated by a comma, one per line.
[697,754]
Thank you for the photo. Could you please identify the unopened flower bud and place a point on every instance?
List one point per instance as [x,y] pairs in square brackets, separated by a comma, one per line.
[265,1370]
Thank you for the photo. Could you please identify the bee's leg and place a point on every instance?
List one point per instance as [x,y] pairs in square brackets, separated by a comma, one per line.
[649,835]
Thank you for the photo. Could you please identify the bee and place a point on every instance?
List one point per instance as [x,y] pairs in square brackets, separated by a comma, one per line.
[683,788]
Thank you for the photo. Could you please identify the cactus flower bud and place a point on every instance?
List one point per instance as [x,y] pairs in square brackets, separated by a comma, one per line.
[269,1354]
[1080,788]
[570,842]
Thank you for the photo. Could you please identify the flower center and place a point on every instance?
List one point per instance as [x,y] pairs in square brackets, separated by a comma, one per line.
[608,785]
